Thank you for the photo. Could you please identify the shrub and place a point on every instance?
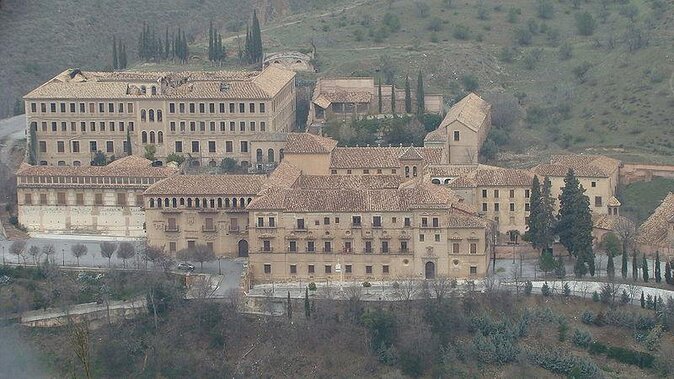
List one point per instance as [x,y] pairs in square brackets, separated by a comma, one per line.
[507,55]
[563,330]
[585,23]
[563,363]
[567,290]
[312,286]
[528,286]
[582,338]
[545,289]
[595,297]
[545,9]
[523,36]
[461,32]
[587,317]
[14,220]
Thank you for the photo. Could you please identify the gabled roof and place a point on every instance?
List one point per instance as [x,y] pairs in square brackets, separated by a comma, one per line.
[609,222]
[654,230]
[467,176]
[307,143]
[247,185]
[410,154]
[380,156]
[129,166]
[471,111]
[592,166]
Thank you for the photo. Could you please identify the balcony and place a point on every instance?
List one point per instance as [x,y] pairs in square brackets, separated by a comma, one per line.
[268,250]
[209,229]
[327,250]
[299,228]
[172,228]
[234,229]
[356,225]
[376,226]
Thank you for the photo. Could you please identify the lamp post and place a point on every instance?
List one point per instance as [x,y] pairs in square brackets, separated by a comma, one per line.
[3,255]
[63,253]
[219,268]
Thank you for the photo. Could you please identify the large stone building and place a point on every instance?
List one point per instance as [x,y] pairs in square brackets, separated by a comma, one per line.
[463,130]
[363,227]
[185,210]
[343,98]
[205,115]
[104,200]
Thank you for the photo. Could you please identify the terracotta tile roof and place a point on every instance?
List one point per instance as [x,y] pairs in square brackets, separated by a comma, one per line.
[471,111]
[208,185]
[557,170]
[450,171]
[410,154]
[347,97]
[614,202]
[348,181]
[602,164]
[654,230]
[284,176]
[131,166]
[379,157]
[608,222]
[437,135]
[467,176]
[307,143]
[75,84]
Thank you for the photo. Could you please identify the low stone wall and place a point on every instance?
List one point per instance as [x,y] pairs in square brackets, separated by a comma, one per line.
[91,312]
[637,172]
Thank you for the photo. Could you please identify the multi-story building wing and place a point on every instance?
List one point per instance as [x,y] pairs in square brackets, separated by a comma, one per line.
[206,115]
[104,200]
[186,210]
[363,228]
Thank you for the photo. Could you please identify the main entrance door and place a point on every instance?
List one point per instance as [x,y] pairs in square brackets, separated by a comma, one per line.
[243,248]
[430,270]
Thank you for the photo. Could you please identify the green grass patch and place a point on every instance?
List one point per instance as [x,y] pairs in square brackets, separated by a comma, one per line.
[641,198]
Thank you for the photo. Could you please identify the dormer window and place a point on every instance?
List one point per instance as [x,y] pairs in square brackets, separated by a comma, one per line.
[457,135]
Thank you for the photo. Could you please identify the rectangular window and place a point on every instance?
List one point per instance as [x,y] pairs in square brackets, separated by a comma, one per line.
[202,126]
[484,207]
[93,146]
[110,146]
[384,269]
[60,146]
[327,247]
[527,193]
[456,248]
[376,221]
[52,107]
[244,146]
[43,199]
[310,269]
[242,126]
[512,207]
[457,135]
[72,108]
[473,270]
[179,147]
[598,201]
[76,146]
[252,126]
[98,199]
[43,146]
[512,193]
[473,248]
[266,245]
[211,146]
[300,224]
[79,198]
[292,247]
[527,207]
[384,247]
[222,107]
[403,246]
[368,246]
[497,207]
[211,107]
[101,107]
[293,269]
[348,269]
[251,107]
[328,269]
[111,107]
[424,222]
[195,146]
[129,107]
[262,105]
[436,222]
[593,184]
[228,147]
[326,220]
[407,221]
[181,107]
[28,199]
[267,268]
[347,246]
[232,126]
[496,194]
[172,107]
[192,108]
[311,246]
[212,126]
[437,238]
[173,247]
[121,199]
[60,198]
[263,126]
[355,220]
[368,269]
[231,108]
[260,222]
[242,108]
[421,238]
[33,107]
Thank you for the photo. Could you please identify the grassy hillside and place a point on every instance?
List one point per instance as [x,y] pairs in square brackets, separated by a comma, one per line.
[611,91]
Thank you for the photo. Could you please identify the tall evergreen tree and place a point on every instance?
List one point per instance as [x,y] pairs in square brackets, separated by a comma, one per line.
[610,267]
[635,267]
[115,59]
[256,36]
[421,106]
[668,273]
[541,218]
[128,143]
[32,148]
[533,229]
[408,95]
[547,224]
[567,212]
[379,96]
[211,43]
[393,99]
[643,300]
[307,306]
[623,269]
[122,56]
[167,44]
[657,272]
[644,268]
[290,308]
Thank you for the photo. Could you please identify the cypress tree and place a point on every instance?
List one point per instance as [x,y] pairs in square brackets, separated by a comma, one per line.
[421,106]
[533,229]
[408,96]
[547,224]
[393,99]
[658,274]
[184,49]
[128,143]
[623,269]
[567,212]
[643,300]
[32,152]
[211,43]
[167,44]
[256,36]
[610,267]
[125,62]
[115,59]
[307,306]
[379,96]
[644,268]
[668,273]
[635,267]
[290,308]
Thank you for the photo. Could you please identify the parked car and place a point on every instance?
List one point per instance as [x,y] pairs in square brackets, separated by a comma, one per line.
[183,266]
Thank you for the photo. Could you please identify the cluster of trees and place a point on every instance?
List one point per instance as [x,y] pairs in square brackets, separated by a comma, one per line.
[119,59]
[216,50]
[252,52]
[152,48]
[573,224]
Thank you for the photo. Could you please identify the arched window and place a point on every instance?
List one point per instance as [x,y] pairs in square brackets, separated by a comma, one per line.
[143,115]
[159,202]
[143,136]
[160,137]
[258,155]
[249,200]
[414,171]
[158,114]
[242,202]
[151,114]
[154,90]
[280,155]
[219,202]
[189,202]
[435,181]
[270,155]
[212,203]
[447,181]
[77,163]
[197,202]
[151,203]
[175,202]
[227,203]
[152,137]
[182,201]
[234,202]
[166,203]
[204,203]
[61,163]
[143,90]
[212,163]
[407,171]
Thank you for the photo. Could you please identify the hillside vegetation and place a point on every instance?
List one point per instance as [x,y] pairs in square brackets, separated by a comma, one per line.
[562,74]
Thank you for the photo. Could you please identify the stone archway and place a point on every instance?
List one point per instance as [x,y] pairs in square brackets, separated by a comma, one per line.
[430,270]
[243,248]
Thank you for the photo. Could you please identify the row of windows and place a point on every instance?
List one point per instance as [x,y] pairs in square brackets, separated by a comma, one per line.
[82,107]
[511,193]
[85,180]
[212,147]
[348,269]
[366,171]
[212,107]
[426,222]
[497,207]
[84,126]
[214,126]
[61,199]
[189,202]
[150,115]
[327,247]
[76,148]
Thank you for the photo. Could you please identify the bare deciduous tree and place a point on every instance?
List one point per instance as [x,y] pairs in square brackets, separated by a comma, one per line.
[78,250]
[34,252]
[158,256]
[107,250]
[80,343]
[125,251]
[18,248]
[49,250]
[198,253]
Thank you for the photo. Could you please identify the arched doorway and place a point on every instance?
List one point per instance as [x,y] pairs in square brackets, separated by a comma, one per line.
[430,270]
[243,248]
